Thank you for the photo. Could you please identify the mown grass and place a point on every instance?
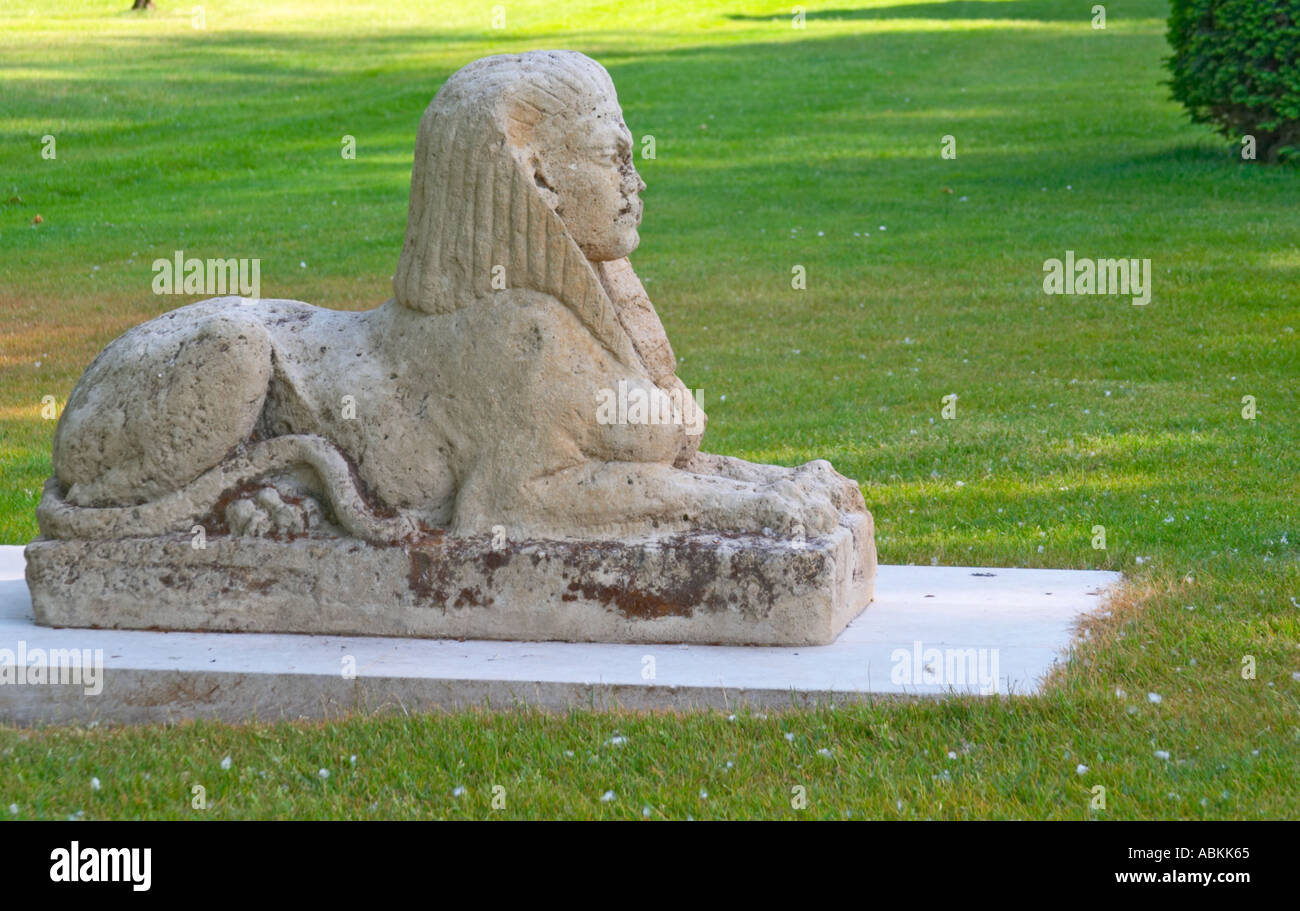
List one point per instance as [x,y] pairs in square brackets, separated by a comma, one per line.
[775,147]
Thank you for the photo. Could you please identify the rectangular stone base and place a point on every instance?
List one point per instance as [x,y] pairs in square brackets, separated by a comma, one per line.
[931,631]
[693,588]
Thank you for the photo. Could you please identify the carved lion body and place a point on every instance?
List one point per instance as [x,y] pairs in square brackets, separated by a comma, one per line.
[466,402]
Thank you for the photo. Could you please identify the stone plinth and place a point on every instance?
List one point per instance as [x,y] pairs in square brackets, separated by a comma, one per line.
[997,631]
[692,588]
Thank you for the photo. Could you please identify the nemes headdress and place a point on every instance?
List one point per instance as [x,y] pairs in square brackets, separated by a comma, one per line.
[475,205]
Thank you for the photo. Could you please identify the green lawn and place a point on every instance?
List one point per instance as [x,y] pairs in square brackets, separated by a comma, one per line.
[776,147]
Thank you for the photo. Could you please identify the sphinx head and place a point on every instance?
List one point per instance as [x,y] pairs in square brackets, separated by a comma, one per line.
[580,159]
[523,172]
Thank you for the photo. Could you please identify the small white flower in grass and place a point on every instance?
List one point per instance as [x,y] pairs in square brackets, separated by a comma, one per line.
[458,791]
[607,797]
[616,741]
[94,784]
[13,809]
[302,265]
[645,812]
[1162,754]
[882,227]
[1140,560]
[789,737]
[825,753]
[569,753]
[952,755]
[731,717]
[1081,769]
[324,773]
[1254,752]
[353,759]
[704,795]
[1120,694]
[1132,710]
[225,763]
[1295,675]
[1154,698]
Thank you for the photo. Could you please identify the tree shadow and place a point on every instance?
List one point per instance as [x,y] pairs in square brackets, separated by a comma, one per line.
[253,127]
[1029,10]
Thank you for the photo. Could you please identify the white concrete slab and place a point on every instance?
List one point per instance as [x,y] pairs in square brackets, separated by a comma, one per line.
[995,631]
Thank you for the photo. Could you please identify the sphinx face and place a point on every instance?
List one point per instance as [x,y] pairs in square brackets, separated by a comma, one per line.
[583,169]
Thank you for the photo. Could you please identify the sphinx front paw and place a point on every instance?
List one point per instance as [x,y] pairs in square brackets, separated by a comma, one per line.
[793,509]
[844,493]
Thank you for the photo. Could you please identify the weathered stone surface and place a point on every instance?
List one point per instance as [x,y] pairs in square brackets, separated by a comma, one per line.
[1027,618]
[470,404]
[699,588]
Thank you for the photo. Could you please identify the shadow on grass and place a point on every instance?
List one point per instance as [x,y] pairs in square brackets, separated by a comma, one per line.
[1029,10]
[240,107]
[850,131]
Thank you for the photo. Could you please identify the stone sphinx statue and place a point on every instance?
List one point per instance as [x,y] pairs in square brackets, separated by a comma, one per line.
[439,466]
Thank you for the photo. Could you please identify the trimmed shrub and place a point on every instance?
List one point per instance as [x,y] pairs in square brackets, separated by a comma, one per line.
[1236,64]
